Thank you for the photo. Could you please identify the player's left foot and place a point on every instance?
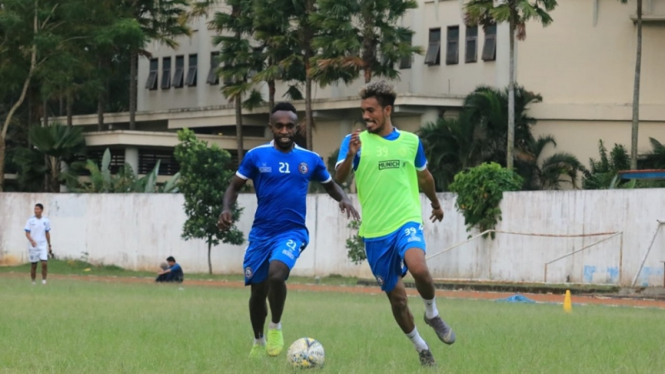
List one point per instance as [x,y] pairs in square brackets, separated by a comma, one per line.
[441,328]
[258,351]
[426,358]
[275,342]
[43,281]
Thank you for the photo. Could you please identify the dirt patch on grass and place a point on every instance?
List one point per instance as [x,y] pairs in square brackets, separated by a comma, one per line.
[368,290]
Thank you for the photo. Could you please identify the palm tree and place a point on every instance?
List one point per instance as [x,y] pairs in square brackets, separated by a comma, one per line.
[361,35]
[548,173]
[636,88]
[238,59]
[54,156]
[516,13]
[601,173]
[161,21]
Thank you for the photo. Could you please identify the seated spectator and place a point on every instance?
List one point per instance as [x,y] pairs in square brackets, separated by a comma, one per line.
[172,274]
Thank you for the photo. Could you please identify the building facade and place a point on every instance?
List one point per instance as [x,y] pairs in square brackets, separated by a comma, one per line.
[582,64]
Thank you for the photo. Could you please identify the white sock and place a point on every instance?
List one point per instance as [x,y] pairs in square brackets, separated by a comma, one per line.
[260,341]
[275,326]
[430,308]
[43,281]
[417,341]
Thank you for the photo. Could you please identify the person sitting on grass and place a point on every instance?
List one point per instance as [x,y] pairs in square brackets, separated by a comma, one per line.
[172,274]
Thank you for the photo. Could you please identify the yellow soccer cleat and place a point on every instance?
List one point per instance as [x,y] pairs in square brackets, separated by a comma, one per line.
[275,342]
[258,351]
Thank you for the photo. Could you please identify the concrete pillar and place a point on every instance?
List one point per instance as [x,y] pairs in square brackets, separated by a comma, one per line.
[430,115]
[132,158]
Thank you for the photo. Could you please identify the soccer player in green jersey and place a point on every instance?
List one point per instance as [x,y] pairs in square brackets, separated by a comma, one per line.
[389,174]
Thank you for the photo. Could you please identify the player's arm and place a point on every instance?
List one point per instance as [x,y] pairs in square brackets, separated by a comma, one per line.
[349,148]
[345,205]
[426,183]
[230,197]
[27,235]
[48,240]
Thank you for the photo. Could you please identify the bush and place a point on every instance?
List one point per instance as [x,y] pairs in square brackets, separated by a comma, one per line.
[479,192]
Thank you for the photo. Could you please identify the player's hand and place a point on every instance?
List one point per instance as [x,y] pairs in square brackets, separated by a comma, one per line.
[354,143]
[437,215]
[346,206]
[33,243]
[225,220]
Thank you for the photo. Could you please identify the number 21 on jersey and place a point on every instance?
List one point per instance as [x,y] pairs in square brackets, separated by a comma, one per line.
[284,168]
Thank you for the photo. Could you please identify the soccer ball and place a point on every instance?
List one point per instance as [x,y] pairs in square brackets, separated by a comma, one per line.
[306,353]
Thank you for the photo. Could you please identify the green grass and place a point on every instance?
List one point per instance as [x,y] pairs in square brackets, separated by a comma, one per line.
[78,267]
[72,326]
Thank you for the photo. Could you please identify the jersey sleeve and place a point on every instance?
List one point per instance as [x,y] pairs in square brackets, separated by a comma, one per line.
[343,150]
[47,225]
[27,226]
[421,159]
[320,173]
[247,169]
[175,267]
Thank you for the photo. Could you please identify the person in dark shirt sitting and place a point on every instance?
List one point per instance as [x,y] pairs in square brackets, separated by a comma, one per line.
[172,274]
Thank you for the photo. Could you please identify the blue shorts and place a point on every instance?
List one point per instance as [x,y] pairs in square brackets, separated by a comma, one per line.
[385,254]
[260,253]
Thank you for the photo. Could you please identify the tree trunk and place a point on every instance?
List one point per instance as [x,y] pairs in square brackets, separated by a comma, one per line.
[309,118]
[60,106]
[70,104]
[510,146]
[133,89]
[209,261]
[45,111]
[271,96]
[368,74]
[636,91]
[239,138]
[17,104]
[100,110]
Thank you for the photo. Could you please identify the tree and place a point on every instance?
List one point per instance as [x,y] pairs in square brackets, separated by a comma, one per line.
[238,59]
[549,173]
[205,173]
[53,158]
[31,33]
[361,35]
[636,88]
[603,171]
[517,13]
[161,21]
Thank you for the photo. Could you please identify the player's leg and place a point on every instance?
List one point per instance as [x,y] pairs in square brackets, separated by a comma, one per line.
[255,266]
[285,253]
[399,304]
[412,250]
[386,265]
[44,271]
[33,271]
[43,256]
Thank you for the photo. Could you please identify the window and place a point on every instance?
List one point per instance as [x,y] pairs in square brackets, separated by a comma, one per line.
[179,71]
[148,159]
[489,49]
[166,73]
[151,83]
[405,62]
[452,45]
[471,50]
[213,79]
[433,57]
[191,71]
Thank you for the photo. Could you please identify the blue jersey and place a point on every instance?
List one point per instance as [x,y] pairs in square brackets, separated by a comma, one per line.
[420,161]
[281,181]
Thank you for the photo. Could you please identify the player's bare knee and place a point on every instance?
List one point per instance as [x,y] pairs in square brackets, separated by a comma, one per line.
[398,301]
[421,274]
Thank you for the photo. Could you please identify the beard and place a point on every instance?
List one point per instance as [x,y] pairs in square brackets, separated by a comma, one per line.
[374,127]
[284,142]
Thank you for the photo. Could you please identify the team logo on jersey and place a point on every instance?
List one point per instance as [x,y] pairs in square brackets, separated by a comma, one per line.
[303,168]
[264,168]
[389,164]
[402,151]
[248,273]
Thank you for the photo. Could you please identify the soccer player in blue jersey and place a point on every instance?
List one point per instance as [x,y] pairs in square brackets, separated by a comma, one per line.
[281,172]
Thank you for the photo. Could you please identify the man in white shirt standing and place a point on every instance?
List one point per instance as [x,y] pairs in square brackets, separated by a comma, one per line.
[37,230]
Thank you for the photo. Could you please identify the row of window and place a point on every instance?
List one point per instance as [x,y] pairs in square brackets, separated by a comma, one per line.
[432,57]
[179,77]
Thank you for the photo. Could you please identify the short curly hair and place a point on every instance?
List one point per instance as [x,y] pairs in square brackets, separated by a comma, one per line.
[382,91]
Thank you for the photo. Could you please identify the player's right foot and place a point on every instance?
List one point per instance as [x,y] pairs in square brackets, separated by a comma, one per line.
[441,328]
[275,342]
[258,351]
[426,358]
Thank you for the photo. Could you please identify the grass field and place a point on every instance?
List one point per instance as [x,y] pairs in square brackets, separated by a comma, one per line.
[72,326]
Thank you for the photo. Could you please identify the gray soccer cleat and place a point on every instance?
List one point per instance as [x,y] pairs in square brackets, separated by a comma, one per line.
[426,358]
[441,328]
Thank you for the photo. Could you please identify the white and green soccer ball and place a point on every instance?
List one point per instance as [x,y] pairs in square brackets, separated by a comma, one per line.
[306,353]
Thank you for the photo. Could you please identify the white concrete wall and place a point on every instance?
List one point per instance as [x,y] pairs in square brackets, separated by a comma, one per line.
[139,231]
